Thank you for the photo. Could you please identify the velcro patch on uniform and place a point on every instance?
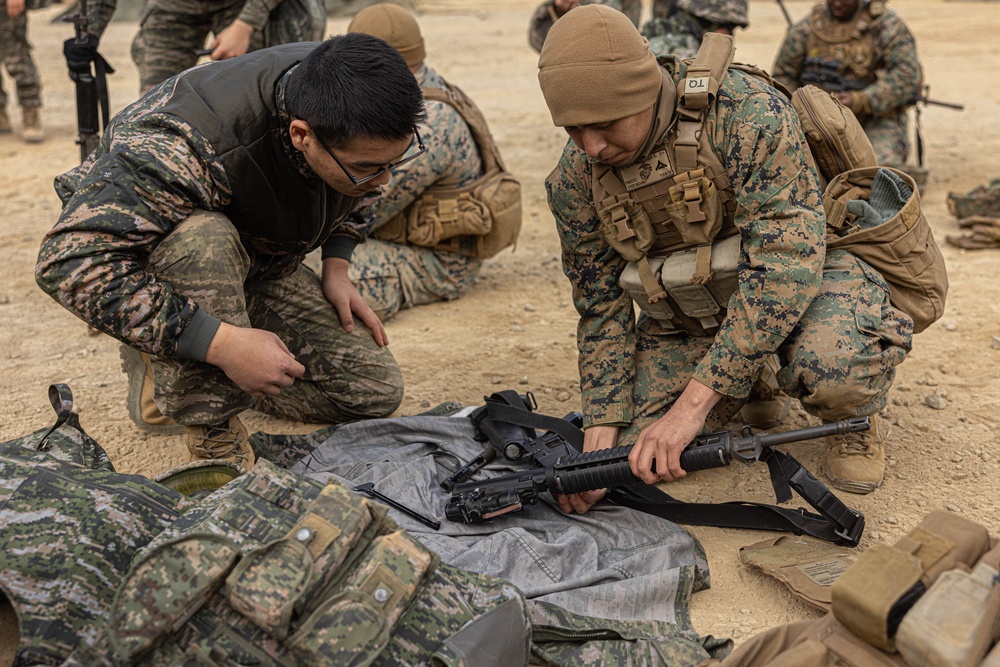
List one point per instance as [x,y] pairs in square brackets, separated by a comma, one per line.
[655,168]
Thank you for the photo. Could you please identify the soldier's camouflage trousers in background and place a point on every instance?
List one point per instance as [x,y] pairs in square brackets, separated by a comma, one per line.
[170,31]
[347,375]
[392,277]
[839,361]
[16,52]
[890,137]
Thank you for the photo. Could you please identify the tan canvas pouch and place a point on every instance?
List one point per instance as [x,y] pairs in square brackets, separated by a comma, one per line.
[631,281]
[694,209]
[625,226]
[438,218]
[835,137]
[708,300]
[902,249]
[871,596]
[947,541]
[807,567]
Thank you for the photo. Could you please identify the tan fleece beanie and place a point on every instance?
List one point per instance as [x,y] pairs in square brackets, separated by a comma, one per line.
[595,67]
[394,25]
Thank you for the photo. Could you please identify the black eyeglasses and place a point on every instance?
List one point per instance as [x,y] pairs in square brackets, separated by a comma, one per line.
[421,149]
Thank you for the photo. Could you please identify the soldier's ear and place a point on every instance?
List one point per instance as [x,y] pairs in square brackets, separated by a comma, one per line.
[300,133]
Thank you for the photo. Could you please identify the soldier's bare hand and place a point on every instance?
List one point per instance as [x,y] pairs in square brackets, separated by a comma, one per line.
[256,360]
[15,8]
[594,438]
[232,41]
[348,302]
[563,6]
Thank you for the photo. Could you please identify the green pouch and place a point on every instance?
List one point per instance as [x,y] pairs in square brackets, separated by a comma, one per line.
[267,583]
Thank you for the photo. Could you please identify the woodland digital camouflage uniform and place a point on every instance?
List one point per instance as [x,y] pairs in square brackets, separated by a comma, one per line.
[16,52]
[170,31]
[545,15]
[393,276]
[680,33]
[890,96]
[118,214]
[827,315]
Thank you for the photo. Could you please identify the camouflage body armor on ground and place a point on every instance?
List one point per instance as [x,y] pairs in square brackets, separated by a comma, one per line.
[272,569]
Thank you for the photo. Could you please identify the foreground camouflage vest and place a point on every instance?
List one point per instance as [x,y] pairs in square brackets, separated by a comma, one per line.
[849,43]
[272,569]
[672,214]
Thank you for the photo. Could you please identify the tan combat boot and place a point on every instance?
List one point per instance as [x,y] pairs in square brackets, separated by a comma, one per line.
[5,126]
[226,442]
[766,405]
[31,130]
[139,399]
[855,462]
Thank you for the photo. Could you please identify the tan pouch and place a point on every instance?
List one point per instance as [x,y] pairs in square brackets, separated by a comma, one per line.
[625,226]
[902,249]
[807,567]
[694,209]
[434,220]
[836,139]
[946,541]
[680,277]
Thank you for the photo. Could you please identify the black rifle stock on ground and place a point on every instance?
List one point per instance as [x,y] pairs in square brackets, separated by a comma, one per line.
[478,501]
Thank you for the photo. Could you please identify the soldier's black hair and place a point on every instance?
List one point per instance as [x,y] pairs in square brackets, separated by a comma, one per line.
[354,86]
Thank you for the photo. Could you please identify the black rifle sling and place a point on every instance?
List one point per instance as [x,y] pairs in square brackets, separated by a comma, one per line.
[515,413]
[835,522]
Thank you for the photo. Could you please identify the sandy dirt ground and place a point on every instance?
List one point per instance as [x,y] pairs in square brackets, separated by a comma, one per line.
[515,329]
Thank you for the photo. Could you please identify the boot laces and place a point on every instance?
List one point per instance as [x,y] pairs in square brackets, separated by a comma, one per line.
[857,443]
[220,442]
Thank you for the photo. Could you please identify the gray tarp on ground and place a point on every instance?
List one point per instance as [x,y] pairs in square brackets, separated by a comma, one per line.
[613,563]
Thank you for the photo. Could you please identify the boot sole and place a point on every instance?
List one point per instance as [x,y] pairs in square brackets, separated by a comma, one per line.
[135,369]
[850,485]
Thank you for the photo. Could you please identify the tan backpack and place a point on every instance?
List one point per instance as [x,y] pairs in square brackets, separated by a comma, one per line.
[477,220]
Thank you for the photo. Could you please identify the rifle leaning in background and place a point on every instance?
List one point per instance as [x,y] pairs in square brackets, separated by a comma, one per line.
[88,69]
[479,501]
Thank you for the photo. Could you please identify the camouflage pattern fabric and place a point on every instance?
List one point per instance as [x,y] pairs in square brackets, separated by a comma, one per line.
[792,299]
[16,52]
[896,79]
[69,536]
[680,33]
[349,377]
[393,276]
[982,201]
[545,15]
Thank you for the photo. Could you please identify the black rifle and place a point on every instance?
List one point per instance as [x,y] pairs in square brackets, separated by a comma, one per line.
[479,501]
[784,12]
[88,69]
[826,73]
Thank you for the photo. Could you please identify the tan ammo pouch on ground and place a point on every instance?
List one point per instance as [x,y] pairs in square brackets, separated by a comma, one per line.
[697,308]
[836,139]
[478,219]
[872,596]
[806,566]
[902,249]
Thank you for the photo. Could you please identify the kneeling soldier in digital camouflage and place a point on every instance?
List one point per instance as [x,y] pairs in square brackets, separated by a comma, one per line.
[183,236]
[392,272]
[864,54]
[719,189]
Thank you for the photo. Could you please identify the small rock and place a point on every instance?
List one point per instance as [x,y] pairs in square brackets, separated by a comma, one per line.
[529,308]
[957,457]
[746,611]
[942,392]
[736,634]
[547,390]
[951,507]
[515,327]
[935,402]
[950,326]
[523,380]
[562,396]
[891,520]
[876,535]
[704,499]
[425,403]
[496,379]
[995,342]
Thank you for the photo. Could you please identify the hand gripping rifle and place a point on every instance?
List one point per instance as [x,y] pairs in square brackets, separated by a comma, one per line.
[479,501]
[88,69]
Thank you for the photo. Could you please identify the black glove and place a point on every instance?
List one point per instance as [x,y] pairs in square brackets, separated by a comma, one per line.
[79,54]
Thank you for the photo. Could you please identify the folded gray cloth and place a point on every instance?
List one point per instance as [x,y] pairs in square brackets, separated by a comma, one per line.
[888,195]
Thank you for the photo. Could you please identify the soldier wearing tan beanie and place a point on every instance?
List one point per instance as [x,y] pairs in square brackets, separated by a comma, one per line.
[694,190]
[394,25]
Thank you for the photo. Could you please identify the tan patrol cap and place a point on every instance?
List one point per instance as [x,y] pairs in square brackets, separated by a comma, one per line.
[394,25]
[595,67]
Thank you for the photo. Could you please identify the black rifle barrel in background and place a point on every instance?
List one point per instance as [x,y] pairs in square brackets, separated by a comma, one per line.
[89,73]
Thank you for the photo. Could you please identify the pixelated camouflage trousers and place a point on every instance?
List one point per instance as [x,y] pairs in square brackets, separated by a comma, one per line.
[347,375]
[890,138]
[392,276]
[16,52]
[170,33]
[839,361]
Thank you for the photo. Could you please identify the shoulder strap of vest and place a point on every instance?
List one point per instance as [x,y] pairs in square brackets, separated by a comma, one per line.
[697,92]
[473,117]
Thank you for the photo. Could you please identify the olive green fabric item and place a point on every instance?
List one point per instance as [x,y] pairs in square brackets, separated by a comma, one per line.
[394,25]
[595,67]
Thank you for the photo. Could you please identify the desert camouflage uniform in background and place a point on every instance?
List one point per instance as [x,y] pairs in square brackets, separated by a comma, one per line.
[680,32]
[545,15]
[826,315]
[877,53]
[170,31]
[393,276]
[113,260]
[16,52]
